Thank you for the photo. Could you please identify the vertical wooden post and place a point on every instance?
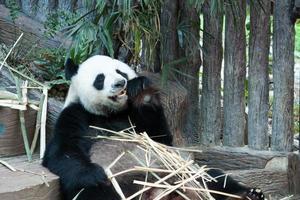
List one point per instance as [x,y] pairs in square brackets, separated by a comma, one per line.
[283,74]
[258,102]
[294,173]
[211,78]
[234,73]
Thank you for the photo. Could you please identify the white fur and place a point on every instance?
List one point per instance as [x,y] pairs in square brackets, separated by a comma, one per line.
[82,89]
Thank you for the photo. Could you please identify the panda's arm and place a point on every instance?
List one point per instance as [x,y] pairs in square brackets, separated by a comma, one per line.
[146,110]
[67,155]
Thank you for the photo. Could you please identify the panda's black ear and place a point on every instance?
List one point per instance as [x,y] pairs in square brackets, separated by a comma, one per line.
[70,69]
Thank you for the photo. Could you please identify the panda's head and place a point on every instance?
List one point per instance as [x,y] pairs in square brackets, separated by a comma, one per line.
[99,84]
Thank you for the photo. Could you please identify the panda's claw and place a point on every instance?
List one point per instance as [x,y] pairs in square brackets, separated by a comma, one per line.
[254,194]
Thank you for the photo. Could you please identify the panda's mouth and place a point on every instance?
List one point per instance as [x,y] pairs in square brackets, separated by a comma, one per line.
[121,94]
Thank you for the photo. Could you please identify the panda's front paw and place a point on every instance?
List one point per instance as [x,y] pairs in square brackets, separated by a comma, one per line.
[137,85]
[254,194]
[93,175]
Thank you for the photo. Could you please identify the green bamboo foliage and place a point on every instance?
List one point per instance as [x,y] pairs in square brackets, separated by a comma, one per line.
[109,25]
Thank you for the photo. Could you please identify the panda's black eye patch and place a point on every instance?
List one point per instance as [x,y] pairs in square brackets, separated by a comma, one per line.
[99,82]
[122,74]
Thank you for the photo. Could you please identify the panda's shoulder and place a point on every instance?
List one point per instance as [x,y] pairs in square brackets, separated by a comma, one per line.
[72,117]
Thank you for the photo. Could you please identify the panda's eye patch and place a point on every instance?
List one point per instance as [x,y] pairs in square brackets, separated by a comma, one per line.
[99,82]
[122,74]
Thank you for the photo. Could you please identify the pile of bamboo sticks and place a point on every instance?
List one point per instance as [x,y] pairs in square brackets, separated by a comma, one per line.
[177,175]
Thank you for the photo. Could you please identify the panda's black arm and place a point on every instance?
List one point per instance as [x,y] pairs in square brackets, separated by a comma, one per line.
[146,110]
[67,154]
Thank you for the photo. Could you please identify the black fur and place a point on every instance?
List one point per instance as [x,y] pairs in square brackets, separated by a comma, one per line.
[122,74]
[99,81]
[70,69]
[228,185]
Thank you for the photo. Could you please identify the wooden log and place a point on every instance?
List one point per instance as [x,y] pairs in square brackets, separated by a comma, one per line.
[33,33]
[27,185]
[294,173]
[274,183]
[228,158]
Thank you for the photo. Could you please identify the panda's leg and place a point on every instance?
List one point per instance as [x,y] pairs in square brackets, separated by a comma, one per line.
[227,184]
[146,110]
[76,172]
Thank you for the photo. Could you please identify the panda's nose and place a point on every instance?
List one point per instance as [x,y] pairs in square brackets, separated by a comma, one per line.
[119,83]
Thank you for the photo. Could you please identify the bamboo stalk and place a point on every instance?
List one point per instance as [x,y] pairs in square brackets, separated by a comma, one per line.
[161,180]
[155,185]
[8,165]
[43,123]
[157,176]
[15,44]
[115,184]
[13,106]
[37,124]
[22,123]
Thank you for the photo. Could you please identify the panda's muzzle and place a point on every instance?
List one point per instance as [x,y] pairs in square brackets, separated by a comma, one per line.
[120,87]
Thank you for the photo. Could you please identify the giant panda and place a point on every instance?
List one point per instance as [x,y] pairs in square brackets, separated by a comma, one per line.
[105,92]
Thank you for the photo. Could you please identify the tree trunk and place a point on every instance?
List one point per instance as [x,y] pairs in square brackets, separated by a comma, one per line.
[188,73]
[169,39]
[258,90]
[283,71]
[234,73]
[211,78]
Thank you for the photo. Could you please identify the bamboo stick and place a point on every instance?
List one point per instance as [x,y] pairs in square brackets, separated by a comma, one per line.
[22,123]
[37,124]
[15,44]
[43,123]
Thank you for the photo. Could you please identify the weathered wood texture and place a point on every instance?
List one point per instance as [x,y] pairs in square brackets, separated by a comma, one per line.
[294,173]
[188,73]
[27,185]
[169,38]
[283,73]
[33,33]
[274,183]
[211,123]
[39,9]
[174,99]
[11,140]
[234,73]
[258,91]
[228,158]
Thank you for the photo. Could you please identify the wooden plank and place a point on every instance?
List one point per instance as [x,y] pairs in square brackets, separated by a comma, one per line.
[27,185]
[294,173]
[11,141]
[274,183]
[229,158]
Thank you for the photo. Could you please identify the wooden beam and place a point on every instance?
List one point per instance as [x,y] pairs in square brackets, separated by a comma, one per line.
[229,158]
[28,184]
[274,183]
